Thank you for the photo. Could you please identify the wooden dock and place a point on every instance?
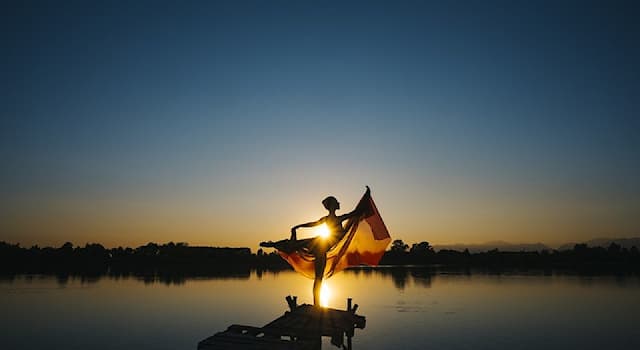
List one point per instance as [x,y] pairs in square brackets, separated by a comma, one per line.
[299,328]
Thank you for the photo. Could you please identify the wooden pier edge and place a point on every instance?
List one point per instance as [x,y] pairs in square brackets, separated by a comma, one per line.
[301,327]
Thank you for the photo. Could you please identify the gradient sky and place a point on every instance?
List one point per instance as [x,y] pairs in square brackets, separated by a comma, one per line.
[225,123]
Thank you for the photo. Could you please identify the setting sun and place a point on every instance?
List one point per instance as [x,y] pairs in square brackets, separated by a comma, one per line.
[322,231]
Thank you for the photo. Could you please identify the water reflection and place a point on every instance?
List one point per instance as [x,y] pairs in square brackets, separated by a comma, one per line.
[400,276]
[172,278]
[406,307]
[325,294]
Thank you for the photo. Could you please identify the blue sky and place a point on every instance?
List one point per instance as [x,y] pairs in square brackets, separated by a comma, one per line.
[227,122]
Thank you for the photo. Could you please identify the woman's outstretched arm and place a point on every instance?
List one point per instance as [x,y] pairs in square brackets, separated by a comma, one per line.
[354,213]
[360,208]
[308,224]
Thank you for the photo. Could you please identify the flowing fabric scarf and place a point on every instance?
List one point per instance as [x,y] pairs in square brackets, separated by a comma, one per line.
[364,243]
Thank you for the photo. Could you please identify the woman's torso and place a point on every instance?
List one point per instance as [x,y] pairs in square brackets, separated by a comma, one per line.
[334,225]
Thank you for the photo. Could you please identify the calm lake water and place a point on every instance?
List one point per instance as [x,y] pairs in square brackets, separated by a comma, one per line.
[405,308]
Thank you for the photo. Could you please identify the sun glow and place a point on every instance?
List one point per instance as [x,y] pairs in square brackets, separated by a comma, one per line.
[322,231]
[325,295]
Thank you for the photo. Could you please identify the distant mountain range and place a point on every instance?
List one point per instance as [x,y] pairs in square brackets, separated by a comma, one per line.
[530,247]
[605,242]
[500,245]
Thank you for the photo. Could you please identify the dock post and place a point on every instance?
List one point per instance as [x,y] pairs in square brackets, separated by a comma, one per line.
[292,301]
[350,331]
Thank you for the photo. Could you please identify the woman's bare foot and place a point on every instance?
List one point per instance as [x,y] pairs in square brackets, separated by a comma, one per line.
[268,244]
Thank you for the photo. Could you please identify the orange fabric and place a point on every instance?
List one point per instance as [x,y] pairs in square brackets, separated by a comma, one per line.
[364,243]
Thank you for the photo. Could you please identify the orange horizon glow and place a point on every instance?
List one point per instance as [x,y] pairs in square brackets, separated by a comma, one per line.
[203,220]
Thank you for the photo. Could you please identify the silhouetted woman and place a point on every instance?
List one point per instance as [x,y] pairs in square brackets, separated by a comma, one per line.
[320,245]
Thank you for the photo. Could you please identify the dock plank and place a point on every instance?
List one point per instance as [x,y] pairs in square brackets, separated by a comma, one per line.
[300,328]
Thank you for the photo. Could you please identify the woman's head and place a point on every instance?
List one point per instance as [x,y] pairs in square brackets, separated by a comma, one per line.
[331,203]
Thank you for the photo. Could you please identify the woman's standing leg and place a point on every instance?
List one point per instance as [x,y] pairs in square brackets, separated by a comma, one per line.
[320,263]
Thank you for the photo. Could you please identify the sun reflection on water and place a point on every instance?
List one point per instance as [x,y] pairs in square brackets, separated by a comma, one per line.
[325,295]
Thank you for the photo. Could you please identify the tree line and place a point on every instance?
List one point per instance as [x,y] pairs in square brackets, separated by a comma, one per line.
[151,258]
[580,258]
[180,258]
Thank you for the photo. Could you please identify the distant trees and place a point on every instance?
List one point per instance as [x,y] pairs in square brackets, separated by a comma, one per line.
[421,248]
[151,258]
[400,253]
[581,257]
[422,253]
[398,246]
[179,258]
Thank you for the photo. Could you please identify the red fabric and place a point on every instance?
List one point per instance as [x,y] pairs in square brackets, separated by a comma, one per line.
[364,243]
